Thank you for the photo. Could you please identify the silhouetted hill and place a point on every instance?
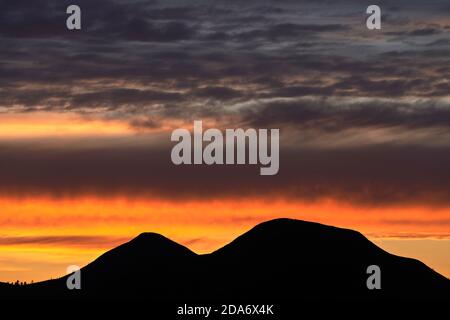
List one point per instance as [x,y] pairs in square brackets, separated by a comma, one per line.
[277,260]
[285,237]
[317,261]
[139,255]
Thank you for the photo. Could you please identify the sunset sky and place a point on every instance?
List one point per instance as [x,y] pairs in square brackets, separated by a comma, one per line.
[86,118]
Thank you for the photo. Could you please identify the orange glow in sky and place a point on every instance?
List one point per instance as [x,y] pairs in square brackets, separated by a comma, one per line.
[41,236]
[57,125]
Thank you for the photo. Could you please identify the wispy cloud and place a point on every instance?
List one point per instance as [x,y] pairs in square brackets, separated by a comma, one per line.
[65,241]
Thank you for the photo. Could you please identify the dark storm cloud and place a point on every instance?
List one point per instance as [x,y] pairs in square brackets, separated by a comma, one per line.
[138,29]
[179,13]
[289,30]
[145,123]
[107,21]
[179,78]
[112,99]
[30,98]
[423,32]
[337,115]
[30,19]
[116,97]
[219,93]
[373,175]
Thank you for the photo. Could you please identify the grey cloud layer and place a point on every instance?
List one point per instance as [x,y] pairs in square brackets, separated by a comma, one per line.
[166,59]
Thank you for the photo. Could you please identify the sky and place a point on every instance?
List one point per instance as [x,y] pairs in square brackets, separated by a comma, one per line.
[86,118]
